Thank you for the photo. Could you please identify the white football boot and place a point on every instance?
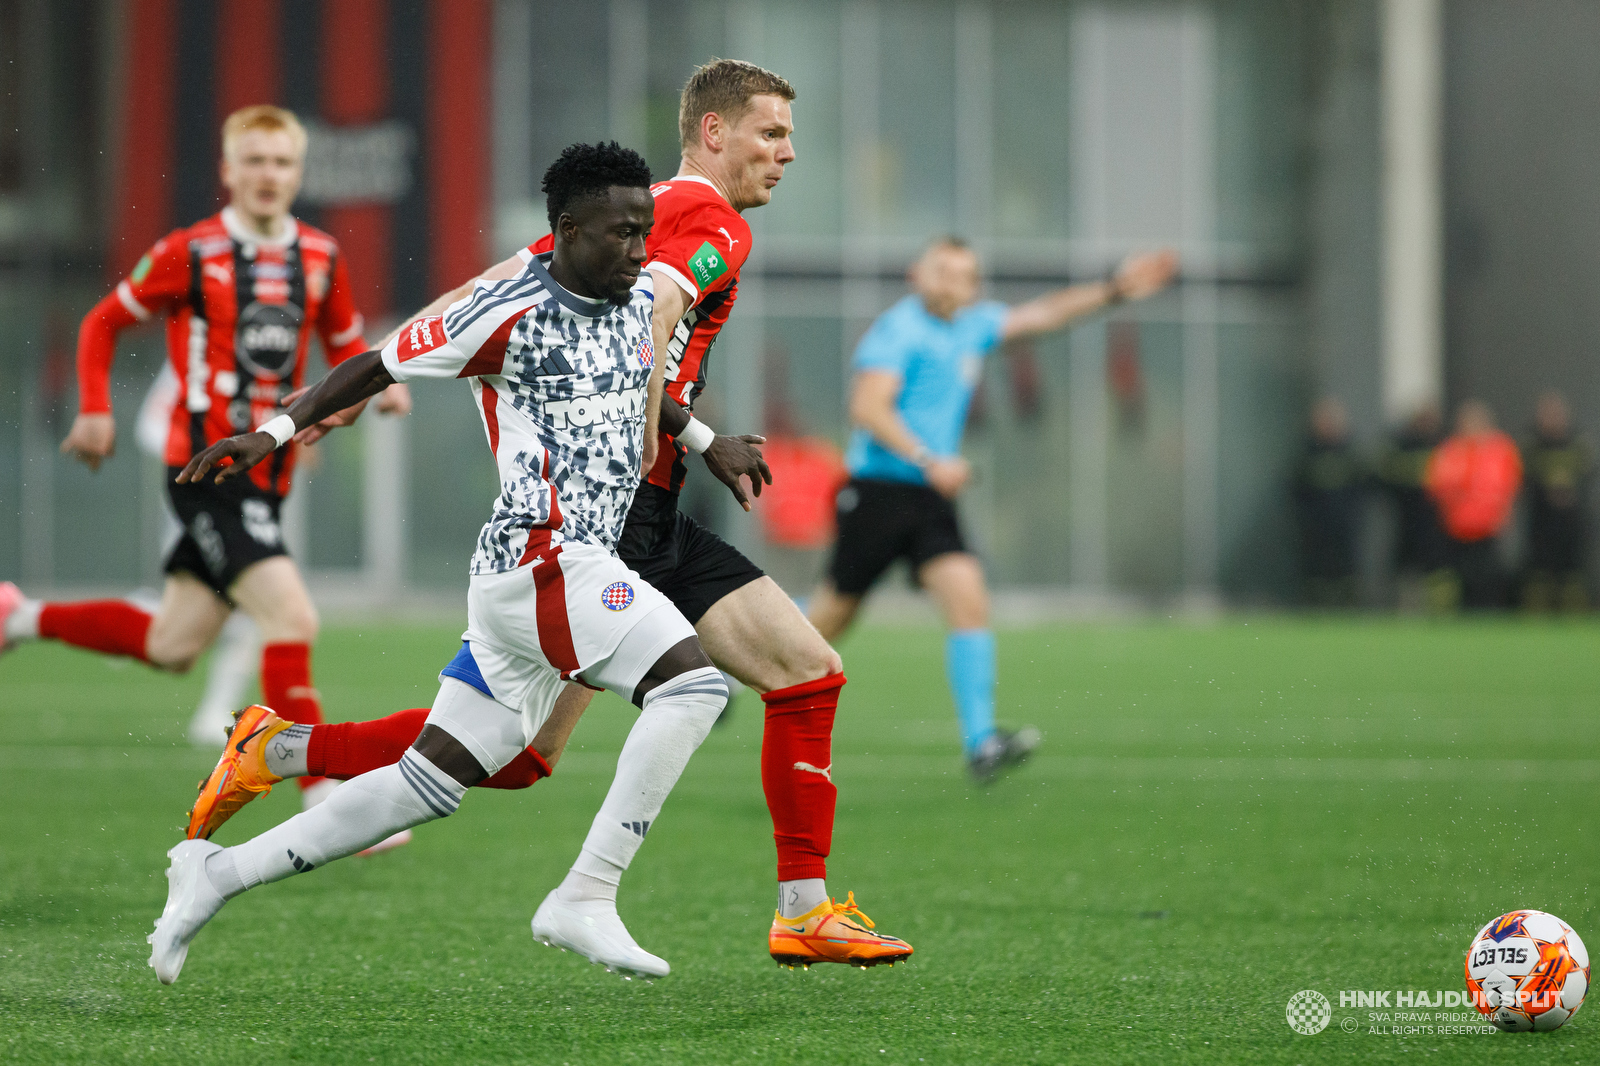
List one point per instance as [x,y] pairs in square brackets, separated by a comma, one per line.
[592,929]
[191,903]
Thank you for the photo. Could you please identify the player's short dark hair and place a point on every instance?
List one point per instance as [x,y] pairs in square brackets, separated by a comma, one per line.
[724,86]
[589,170]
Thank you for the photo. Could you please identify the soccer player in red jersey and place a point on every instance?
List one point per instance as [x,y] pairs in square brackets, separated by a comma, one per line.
[735,127]
[242,292]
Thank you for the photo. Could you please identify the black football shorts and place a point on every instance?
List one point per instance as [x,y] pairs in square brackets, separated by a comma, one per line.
[686,562]
[226,529]
[881,521]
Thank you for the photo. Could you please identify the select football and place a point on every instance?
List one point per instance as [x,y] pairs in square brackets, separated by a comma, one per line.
[1527,970]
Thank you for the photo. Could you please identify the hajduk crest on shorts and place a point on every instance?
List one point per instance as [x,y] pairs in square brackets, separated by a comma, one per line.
[618,596]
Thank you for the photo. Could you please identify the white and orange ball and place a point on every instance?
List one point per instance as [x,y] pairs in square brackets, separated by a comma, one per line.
[1527,970]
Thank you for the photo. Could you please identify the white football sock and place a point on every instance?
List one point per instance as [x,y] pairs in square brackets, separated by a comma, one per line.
[286,752]
[797,897]
[235,659]
[579,886]
[23,622]
[676,718]
[366,810]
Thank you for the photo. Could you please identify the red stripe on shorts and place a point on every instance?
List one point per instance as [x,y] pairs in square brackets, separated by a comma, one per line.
[550,585]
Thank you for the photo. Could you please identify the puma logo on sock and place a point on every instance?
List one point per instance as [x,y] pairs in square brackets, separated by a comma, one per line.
[826,771]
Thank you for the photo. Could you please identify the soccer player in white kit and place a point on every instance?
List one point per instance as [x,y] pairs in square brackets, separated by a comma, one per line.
[561,365]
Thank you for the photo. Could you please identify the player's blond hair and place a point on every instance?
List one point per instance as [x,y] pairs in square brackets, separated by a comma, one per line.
[267,119]
[724,87]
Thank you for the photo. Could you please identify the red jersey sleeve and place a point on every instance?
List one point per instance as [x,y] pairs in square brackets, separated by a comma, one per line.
[702,250]
[339,324]
[158,283]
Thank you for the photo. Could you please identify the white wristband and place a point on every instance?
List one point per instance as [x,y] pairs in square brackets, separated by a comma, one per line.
[281,428]
[697,435]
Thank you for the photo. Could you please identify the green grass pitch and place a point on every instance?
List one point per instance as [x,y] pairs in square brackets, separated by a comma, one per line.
[1221,816]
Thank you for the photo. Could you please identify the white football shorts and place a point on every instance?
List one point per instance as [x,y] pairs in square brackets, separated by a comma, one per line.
[573,612]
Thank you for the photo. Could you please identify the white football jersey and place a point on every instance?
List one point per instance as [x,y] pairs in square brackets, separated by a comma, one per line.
[560,382]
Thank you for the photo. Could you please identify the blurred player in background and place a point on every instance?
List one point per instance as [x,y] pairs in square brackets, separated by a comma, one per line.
[243,291]
[916,369]
[1560,470]
[735,126]
[236,651]
[1330,486]
[561,365]
[1421,551]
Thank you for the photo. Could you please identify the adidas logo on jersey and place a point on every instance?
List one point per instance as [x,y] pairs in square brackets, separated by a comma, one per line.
[620,405]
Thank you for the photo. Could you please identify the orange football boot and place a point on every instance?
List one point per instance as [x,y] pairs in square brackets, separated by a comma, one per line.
[833,932]
[241,774]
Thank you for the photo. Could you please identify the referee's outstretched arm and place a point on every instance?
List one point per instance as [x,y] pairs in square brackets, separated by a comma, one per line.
[1139,276]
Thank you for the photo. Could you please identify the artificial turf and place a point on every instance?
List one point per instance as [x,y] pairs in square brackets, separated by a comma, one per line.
[1220,817]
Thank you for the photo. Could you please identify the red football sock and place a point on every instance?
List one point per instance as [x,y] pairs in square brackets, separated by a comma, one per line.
[286,687]
[115,627]
[797,774]
[349,749]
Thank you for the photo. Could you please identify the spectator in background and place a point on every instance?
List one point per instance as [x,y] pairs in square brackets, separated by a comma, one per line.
[1474,477]
[1421,563]
[1329,483]
[1558,488]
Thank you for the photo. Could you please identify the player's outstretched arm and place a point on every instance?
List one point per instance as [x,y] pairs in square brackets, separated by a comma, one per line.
[727,457]
[351,381]
[1139,276]
[396,399]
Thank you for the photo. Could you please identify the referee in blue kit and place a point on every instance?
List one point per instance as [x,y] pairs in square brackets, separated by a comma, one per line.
[915,371]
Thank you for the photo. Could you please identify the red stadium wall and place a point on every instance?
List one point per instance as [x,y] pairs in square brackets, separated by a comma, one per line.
[416,70]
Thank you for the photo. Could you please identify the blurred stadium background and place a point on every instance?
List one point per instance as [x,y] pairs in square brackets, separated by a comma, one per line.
[1141,459]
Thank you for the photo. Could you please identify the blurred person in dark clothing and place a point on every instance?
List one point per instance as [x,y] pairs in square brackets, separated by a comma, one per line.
[1558,467]
[1421,563]
[1329,483]
[1474,477]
